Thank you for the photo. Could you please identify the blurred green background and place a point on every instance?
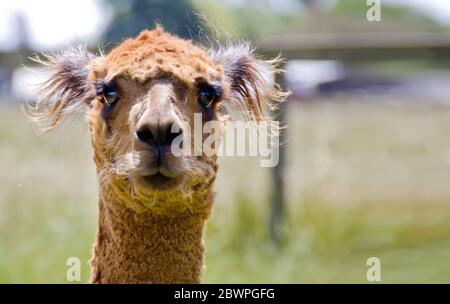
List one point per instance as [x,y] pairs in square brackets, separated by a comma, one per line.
[367,170]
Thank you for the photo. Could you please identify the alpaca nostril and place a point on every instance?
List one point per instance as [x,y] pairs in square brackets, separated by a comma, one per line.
[171,135]
[145,135]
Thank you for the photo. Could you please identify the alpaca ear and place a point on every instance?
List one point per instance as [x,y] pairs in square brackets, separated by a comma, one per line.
[66,88]
[252,80]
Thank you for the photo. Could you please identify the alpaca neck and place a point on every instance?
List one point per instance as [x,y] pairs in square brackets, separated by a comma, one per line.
[147,247]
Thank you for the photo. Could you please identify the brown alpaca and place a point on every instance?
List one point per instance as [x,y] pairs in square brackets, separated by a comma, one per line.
[153,205]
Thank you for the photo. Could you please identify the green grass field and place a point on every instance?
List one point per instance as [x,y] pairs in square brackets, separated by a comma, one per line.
[363,180]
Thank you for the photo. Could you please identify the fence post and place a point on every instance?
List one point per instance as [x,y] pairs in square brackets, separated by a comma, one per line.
[278,198]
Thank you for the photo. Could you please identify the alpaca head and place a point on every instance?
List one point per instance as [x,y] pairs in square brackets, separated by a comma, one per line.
[142,98]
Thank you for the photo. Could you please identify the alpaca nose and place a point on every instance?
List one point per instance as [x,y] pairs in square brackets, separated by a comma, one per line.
[158,135]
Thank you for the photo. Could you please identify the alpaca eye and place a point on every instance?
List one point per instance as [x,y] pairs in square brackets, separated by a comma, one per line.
[208,94]
[111,97]
[206,98]
[108,92]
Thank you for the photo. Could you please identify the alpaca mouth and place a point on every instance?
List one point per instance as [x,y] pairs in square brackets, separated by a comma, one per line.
[159,181]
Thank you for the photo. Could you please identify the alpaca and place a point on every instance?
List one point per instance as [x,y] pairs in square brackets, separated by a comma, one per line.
[153,205]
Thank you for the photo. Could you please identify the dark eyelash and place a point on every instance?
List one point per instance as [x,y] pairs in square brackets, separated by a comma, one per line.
[102,87]
[215,89]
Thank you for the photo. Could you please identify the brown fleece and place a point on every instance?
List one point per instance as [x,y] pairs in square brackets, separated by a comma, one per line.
[156,52]
[146,248]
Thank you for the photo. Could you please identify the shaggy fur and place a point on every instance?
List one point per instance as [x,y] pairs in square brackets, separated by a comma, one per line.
[148,234]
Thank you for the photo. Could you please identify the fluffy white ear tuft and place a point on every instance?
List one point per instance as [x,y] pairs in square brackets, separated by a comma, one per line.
[66,88]
[252,80]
